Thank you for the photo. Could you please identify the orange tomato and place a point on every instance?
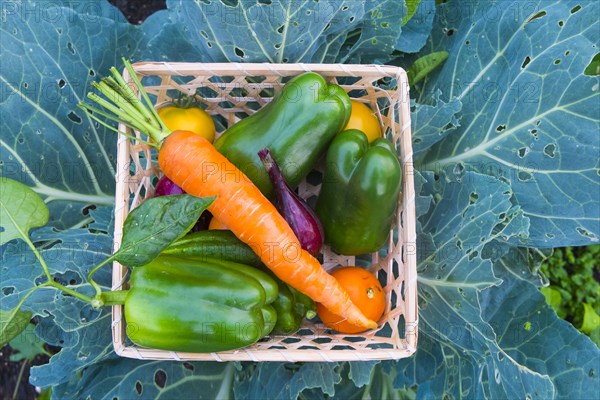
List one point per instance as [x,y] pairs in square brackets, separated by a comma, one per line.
[366,293]
[364,119]
[192,119]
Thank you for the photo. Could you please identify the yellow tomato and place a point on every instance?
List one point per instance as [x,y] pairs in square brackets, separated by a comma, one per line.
[364,119]
[192,119]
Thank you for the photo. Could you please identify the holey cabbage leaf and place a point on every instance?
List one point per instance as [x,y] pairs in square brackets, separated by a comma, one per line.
[529,114]
[286,31]
[50,52]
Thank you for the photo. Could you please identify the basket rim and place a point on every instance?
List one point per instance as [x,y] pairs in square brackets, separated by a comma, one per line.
[408,230]
[187,68]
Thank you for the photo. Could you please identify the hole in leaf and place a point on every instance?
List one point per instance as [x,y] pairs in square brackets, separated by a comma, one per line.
[417,141]
[74,117]
[351,19]
[204,34]
[575,9]
[526,61]
[467,42]
[524,176]
[538,122]
[327,26]
[308,12]
[277,45]
[549,150]
[567,52]
[138,387]
[188,365]
[500,128]
[239,52]
[593,67]
[374,41]
[385,24]
[21,139]
[584,232]
[61,83]
[280,29]
[473,254]
[71,48]
[265,2]
[537,16]
[550,235]
[459,244]
[450,32]
[345,8]
[209,44]
[557,61]
[473,197]
[502,216]
[561,23]
[160,378]
[8,290]
[522,152]
[92,72]
[59,30]
[25,85]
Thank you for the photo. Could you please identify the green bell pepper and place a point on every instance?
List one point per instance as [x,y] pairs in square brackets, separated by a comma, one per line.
[195,305]
[297,126]
[359,193]
[218,246]
[292,307]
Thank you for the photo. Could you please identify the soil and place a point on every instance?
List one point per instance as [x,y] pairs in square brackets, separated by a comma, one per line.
[9,376]
[136,11]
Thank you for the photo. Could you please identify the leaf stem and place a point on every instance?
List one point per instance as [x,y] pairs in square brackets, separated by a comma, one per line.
[72,292]
[93,271]
[19,378]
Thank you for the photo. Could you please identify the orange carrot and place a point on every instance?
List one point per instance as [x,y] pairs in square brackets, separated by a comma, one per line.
[196,166]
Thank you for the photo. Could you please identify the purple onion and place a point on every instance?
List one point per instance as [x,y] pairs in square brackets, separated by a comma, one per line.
[298,214]
[166,187]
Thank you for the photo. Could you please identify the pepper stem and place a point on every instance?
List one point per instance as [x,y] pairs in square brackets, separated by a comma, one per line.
[114,298]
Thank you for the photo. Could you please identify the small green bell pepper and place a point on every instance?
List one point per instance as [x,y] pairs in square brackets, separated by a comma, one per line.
[292,307]
[297,126]
[194,305]
[359,193]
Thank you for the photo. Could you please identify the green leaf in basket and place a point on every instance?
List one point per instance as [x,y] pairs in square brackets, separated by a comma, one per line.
[157,223]
[12,322]
[20,210]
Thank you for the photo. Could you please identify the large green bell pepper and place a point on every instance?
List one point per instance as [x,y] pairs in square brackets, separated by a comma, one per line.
[291,305]
[195,305]
[359,193]
[297,126]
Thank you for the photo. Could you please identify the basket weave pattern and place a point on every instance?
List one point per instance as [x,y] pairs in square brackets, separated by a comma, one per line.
[231,91]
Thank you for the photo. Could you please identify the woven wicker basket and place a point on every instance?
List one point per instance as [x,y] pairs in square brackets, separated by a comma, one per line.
[229,91]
